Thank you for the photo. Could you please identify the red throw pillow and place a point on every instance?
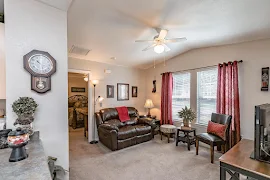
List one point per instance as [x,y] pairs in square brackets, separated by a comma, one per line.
[217,129]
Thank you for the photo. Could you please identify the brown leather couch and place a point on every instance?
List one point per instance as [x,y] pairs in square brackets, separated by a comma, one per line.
[117,135]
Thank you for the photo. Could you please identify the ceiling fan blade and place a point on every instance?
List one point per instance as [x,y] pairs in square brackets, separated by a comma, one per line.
[144,41]
[149,47]
[174,40]
[166,48]
[163,33]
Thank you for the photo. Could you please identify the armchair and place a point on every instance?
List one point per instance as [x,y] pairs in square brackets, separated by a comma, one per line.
[214,140]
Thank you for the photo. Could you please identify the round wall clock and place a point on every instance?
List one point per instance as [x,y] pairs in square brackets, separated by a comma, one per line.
[41,65]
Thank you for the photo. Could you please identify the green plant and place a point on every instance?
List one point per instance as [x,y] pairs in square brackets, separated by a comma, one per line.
[24,106]
[187,114]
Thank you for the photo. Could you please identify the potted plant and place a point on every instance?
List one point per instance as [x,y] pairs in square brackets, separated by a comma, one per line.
[25,108]
[187,115]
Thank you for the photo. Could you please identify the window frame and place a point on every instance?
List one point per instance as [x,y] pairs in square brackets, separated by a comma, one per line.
[193,91]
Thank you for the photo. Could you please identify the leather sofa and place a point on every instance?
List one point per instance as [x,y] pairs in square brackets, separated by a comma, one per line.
[117,135]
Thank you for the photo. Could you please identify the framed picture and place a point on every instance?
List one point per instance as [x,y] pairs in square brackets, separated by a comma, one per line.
[77,89]
[122,92]
[110,91]
[265,79]
[134,91]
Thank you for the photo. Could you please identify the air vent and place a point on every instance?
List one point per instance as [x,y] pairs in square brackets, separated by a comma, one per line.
[79,51]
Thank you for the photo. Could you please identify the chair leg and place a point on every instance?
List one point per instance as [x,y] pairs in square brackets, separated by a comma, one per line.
[197,146]
[218,148]
[212,153]
[223,149]
[168,136]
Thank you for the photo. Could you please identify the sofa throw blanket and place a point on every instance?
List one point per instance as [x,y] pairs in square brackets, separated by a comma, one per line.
[123,113]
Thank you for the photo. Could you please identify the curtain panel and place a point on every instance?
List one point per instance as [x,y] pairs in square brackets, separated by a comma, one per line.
[228,97]
[166,98]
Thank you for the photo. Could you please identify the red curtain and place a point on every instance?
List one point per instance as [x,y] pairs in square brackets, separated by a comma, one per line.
[228,97]
[166,98]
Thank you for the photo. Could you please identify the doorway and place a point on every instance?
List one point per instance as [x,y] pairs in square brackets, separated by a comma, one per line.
[79,104]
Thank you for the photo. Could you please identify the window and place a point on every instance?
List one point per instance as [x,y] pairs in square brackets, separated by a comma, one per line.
[181,93]
[206,94]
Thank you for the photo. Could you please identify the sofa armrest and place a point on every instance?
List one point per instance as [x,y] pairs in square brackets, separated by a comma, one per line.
[98,119]
[109,127]
[148,121]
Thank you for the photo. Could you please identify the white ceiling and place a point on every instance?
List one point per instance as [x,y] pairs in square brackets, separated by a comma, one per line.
[110,27]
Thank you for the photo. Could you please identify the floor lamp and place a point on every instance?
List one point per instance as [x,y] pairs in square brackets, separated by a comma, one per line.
[95,82]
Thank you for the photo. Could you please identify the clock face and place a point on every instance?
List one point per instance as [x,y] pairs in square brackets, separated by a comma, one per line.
[40,64]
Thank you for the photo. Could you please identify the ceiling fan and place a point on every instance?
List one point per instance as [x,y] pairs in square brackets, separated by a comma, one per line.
[160,41]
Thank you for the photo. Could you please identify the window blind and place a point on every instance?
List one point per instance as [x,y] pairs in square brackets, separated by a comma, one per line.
[181,93]
[206,94]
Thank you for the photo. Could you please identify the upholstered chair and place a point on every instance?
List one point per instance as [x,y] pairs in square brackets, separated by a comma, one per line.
[214,140]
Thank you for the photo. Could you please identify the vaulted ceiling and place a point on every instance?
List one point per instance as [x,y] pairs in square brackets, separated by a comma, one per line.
[110,28]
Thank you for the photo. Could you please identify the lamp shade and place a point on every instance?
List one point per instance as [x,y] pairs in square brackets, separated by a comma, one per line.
[100,99]
[85,79]
[148,103]
[94,82]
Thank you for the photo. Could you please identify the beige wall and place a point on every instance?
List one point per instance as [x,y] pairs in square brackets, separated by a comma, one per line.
[255,55]
[77,82]
[30,25]
[132,76]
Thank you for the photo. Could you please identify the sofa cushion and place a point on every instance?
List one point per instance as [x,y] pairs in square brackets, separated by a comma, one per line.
[111,113]
[132,121]
[210,138]
[115,122]
[142,129]
[126,132]
[108,114]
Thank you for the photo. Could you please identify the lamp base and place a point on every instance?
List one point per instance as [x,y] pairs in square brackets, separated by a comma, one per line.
[93,142]
[149,114]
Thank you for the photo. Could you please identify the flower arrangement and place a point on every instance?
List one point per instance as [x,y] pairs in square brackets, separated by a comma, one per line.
[187,114]
[25,108]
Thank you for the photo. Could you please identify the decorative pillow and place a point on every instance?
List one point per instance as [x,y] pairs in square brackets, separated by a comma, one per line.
[217,129]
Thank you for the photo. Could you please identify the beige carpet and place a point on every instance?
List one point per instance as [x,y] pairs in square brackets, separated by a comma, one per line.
[153,160]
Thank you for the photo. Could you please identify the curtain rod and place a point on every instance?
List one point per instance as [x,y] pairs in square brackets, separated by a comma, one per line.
[201,67]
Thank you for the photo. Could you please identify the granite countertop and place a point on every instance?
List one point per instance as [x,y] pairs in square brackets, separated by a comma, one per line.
[33,168]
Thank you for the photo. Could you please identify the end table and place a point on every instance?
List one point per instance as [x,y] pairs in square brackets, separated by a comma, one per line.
[186,137]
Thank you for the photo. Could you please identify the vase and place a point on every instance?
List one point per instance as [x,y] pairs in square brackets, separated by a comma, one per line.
[186,123]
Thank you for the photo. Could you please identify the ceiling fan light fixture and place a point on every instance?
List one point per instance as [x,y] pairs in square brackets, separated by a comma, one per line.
[159,49]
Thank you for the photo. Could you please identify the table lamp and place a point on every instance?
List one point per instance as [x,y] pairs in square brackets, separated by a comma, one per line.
[148,104]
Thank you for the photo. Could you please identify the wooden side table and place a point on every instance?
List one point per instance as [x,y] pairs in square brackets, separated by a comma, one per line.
[186,137]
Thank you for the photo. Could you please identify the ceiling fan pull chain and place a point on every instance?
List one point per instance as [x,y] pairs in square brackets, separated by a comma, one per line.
[154,62]
[164,57]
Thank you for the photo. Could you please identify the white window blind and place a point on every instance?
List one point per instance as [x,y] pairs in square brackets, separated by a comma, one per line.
[206,94]
[181,93]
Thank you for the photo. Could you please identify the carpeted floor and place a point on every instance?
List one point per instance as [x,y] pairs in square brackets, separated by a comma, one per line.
[153,160]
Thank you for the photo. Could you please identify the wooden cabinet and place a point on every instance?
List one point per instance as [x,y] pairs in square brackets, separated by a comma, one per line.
[2,62]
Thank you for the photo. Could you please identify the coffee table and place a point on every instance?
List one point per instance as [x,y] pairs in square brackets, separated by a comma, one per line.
[186,137]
